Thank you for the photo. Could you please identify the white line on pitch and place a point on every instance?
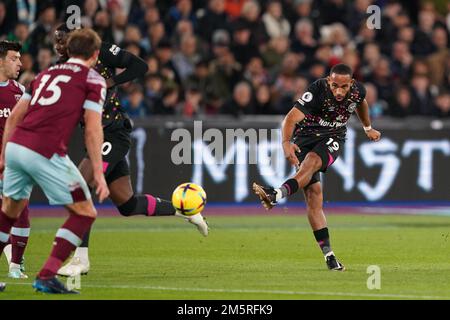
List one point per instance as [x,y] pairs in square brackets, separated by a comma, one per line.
[281,292]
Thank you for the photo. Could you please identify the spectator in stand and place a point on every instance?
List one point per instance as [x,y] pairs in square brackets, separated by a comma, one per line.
[421,93]
[102,25]
[167,104]
[402,103]
[255,73]
[304,42]
[44,59]
[241,101]
[376,107]
[134,104]
[214,18]
[401,60]
[263,103]
[241,47]
[156,33]
[275,23]
[439,57]
[423,45]
[184,60]
[182,10]
[303,9]
[153,89]
[225,70]
[42,35]
[274,54]
[192,104]
[164,53]
[441,107]
[233,7]
[250,15]
[20,34]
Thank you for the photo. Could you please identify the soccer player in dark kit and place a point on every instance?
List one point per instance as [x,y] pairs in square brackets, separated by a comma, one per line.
[313,133]
[117,128]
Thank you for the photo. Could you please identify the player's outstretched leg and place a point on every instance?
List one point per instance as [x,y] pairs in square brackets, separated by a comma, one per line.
[270,196]
[82,216]
[314,206]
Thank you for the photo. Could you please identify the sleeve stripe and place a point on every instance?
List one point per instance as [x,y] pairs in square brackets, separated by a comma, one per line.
[91,105]
[301,102]
[25,96]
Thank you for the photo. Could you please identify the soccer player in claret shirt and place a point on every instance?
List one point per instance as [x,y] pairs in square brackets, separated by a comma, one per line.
[117,128]
[313,134]
[35,150]
[13,244]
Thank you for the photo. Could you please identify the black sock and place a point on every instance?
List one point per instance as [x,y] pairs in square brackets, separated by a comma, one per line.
[85,242]
[323,239]
[289,187]
[147,205]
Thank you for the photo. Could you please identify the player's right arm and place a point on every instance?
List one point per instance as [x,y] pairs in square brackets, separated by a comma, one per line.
[287,129]
[16,116]
[303,106]
[93,136]
[93,130]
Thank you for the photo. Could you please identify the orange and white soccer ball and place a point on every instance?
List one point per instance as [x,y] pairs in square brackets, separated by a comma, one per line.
[189,198]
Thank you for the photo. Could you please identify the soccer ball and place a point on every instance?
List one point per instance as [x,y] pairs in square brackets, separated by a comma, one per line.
[189,198]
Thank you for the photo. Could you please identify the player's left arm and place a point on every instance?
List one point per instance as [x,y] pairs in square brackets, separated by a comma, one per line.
[14,119]
[363,114]
[114,56]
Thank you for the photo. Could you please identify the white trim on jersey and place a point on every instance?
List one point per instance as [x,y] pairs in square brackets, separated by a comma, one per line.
[77,61]
[25,96]
[94,106]
[95,78]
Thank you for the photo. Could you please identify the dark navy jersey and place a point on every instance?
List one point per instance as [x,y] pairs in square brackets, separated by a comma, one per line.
[110,58]
[324,115]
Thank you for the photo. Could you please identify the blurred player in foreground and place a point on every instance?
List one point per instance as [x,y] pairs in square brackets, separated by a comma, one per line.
[313,134]
[15,243]
[117,129]
[35,150]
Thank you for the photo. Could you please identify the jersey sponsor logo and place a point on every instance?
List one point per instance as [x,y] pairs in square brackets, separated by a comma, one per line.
[330,124]
[351,107]
[114,49]
[5,112]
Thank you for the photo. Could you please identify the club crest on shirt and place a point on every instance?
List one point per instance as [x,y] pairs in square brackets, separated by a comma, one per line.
[351,107]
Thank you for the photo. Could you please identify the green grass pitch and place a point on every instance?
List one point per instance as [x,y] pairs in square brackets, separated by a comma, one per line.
[251,257]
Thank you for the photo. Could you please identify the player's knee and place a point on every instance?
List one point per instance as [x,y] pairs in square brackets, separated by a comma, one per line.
[314,160]
[11,208]
[83,208]
[128,207]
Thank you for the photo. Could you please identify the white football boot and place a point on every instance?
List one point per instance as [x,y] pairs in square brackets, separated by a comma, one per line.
[15,272]
[78,265]
[197,220]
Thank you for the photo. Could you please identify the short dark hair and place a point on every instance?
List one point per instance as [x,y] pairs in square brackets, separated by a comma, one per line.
[83,43]
[343,69]
[6,46]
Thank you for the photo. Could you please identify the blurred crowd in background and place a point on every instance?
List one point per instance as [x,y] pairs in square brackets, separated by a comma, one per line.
[209,57]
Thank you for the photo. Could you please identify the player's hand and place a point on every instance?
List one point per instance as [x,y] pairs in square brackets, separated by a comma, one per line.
[289,150]
[373,135]
[101,188]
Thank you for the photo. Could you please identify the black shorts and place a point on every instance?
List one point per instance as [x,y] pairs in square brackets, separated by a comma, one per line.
[115,148]
[327,148]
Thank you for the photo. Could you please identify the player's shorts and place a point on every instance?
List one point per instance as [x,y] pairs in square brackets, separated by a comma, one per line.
[58,177]
[327,148]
